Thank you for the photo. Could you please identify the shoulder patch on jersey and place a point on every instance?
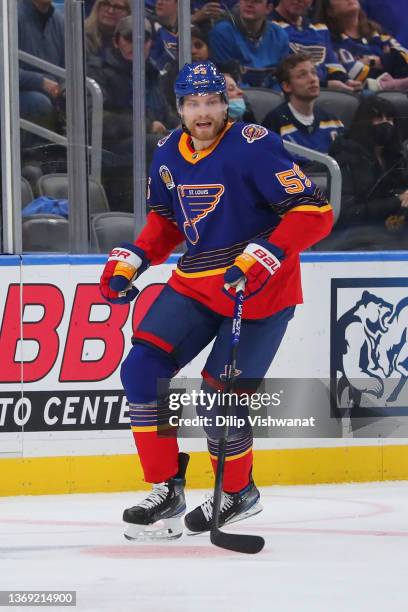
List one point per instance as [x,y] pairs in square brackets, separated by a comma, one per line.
[166,177]
[252,132]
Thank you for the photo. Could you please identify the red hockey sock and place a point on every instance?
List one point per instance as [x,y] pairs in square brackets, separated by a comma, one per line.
[238,463]
[236,472]
[158,455]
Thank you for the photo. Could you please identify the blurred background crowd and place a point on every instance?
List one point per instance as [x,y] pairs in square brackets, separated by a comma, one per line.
[331,75]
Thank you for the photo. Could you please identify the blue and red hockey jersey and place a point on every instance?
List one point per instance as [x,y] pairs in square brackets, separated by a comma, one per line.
[243,187]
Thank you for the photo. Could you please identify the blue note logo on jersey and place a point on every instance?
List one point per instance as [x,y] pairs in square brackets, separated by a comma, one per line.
[197,201]
[252,132]
[317,52]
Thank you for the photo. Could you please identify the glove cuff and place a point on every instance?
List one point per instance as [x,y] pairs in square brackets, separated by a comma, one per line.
[265,253]
[130,254]
[244,262]
[140,252]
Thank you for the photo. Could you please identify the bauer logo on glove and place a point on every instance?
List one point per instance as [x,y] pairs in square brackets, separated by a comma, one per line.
[257,264]
[124,264]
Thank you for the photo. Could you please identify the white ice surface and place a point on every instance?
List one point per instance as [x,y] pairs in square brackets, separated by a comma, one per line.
[331,548]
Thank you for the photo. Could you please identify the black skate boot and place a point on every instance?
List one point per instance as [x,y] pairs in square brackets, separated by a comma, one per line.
[158,517]
[234,507]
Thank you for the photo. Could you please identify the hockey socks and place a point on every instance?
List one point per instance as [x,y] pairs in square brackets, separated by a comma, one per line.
[238,462]
[158,451]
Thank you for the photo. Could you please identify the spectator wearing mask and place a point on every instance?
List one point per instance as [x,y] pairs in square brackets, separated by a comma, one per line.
[40,33]
[238,107]
[101,23]
[252,42]
[365,51]
[375,177]
[298,119]
[313,38]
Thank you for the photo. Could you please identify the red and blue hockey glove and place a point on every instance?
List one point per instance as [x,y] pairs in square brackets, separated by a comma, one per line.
[124,264]
[257,264]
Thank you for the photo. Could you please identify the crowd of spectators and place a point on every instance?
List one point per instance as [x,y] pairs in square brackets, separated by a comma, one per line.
[295,47]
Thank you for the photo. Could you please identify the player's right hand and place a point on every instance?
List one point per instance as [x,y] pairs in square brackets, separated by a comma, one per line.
[124,264]
[257,264]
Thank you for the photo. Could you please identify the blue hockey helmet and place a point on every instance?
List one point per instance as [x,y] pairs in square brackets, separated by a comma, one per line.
[200,78]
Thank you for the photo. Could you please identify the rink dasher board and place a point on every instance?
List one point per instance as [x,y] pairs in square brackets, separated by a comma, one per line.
[80,433]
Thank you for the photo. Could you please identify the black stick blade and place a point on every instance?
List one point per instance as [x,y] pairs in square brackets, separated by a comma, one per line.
[237,542]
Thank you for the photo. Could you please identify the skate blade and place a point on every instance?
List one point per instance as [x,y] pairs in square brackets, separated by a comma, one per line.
[255,509]
[163,529]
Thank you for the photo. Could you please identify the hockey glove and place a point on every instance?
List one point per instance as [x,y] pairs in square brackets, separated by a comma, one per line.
[257,264]
[124,264]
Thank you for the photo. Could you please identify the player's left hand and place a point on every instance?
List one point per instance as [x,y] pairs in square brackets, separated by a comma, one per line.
[257,264]
[124,264]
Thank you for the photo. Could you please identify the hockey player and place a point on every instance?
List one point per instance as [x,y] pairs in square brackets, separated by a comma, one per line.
[245,210]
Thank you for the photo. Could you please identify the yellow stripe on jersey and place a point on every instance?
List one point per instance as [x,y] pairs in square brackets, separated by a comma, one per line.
[288,129]
[310,208]
[281,24]
[332,123]
[335,68]
[318,26]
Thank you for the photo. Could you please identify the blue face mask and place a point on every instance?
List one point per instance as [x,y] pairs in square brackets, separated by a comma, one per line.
[236,108]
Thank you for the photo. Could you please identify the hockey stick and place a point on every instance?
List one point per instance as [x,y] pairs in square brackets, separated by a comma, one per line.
[232,541]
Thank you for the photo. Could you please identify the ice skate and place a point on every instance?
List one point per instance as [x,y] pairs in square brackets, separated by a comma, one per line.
[234,507]
[159,516]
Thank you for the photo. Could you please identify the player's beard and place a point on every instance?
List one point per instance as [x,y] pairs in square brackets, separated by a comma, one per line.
[211,133]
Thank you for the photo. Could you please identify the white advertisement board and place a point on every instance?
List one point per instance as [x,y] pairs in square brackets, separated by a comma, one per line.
[61,347]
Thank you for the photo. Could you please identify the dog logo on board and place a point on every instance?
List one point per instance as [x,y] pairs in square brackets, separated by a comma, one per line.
[166,177]
[252,132]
